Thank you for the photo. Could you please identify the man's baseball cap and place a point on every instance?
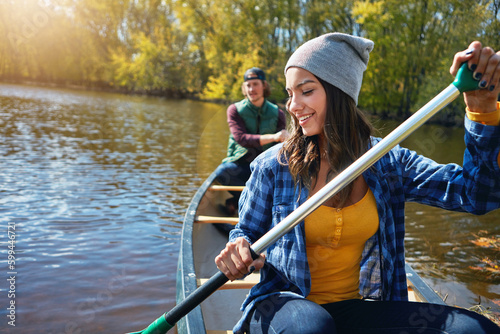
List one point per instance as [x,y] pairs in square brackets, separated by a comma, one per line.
[254,73]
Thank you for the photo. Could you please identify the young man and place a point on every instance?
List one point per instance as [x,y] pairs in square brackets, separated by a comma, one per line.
[255,124]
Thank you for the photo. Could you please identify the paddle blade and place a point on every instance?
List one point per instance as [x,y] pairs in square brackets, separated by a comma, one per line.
[159,326]
[464,80]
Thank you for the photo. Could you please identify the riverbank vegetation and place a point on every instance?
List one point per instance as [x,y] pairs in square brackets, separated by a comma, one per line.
[201,48]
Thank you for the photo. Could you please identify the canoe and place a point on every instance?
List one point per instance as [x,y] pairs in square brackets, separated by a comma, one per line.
[202,241]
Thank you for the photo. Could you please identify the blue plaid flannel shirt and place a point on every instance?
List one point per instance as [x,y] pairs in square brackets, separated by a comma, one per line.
[398,177]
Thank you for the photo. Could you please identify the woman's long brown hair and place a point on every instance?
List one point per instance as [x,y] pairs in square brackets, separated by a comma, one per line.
[347,133]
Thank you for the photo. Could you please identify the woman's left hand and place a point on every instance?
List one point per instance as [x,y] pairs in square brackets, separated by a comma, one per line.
[485,64]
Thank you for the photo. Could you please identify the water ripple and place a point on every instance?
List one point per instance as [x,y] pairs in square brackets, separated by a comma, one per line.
[97,190]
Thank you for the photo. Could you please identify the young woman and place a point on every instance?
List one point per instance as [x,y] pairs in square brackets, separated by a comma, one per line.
[342,269]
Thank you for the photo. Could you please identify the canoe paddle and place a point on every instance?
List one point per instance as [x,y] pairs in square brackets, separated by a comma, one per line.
[463,82]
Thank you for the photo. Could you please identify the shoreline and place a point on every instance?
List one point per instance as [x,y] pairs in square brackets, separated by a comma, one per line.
[437,120]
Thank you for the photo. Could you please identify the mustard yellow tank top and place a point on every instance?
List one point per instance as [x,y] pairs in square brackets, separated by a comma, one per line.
[335,239]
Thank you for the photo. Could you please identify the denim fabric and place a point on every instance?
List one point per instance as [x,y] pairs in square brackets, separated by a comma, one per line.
[291,315]
[232,173]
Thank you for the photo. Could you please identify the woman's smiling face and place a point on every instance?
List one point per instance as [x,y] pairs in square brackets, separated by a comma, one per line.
[307,101]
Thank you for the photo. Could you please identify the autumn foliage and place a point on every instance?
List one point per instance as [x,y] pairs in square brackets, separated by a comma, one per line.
[200,48]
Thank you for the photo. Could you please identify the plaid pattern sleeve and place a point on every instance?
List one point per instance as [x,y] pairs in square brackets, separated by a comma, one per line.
[473,188]
[256,201]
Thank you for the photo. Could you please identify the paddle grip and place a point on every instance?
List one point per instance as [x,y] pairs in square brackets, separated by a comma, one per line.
[464,80]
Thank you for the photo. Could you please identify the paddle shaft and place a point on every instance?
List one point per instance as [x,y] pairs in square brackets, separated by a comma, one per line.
[463,82]
[195,298]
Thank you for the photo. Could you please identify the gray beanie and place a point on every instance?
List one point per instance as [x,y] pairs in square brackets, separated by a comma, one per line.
[336,58]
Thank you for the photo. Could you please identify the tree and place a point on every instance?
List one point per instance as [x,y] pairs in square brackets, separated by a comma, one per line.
[412,39]
[202,47]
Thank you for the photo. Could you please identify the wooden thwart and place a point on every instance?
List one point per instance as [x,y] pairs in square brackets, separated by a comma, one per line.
[217,187]
[411,294]
[216,220]
[246,283]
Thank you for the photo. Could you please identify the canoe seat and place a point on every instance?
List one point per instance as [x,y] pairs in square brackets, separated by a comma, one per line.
[246,283]
[217,187]
[216,220]
[411,294]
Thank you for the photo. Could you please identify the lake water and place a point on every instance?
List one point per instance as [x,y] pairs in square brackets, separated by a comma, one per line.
[93,189]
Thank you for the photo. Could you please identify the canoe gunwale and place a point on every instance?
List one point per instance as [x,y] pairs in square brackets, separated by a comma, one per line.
[423,291]
[186,274]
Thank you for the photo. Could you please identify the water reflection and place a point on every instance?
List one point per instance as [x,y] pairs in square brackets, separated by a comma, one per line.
[439,245]
[97,185]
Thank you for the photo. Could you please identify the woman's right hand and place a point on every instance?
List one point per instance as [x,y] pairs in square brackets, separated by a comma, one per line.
[236,260]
